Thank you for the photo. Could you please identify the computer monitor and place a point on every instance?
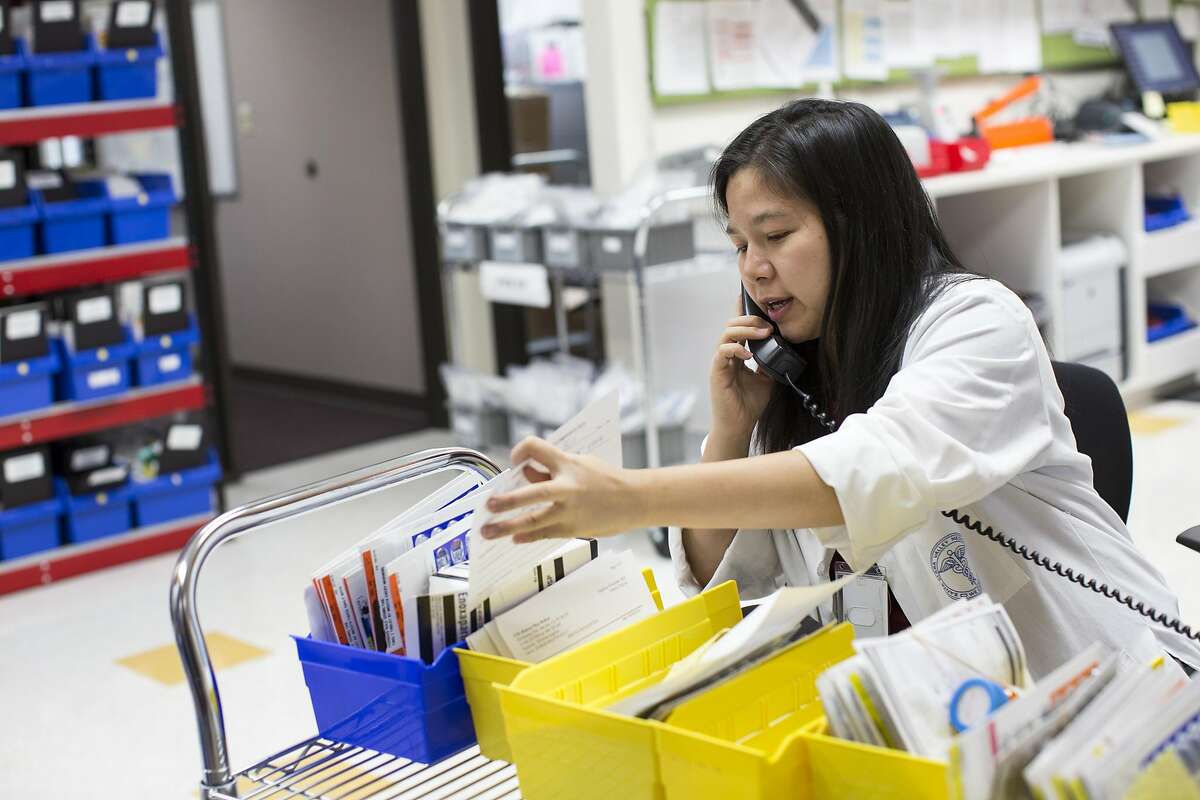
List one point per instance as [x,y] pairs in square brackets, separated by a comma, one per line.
[1156,57]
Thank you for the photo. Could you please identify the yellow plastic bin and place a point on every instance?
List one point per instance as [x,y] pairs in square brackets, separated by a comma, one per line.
[744,738]
[848,769]
[563,741]
[482,674]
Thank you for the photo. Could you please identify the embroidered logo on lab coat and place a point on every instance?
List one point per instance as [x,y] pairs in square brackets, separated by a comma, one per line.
[948,560]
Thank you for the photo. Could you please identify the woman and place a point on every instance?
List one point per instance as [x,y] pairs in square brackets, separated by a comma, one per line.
[941,391]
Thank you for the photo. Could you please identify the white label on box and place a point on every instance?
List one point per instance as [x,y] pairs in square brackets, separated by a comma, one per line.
[103,378]
[57,10]
[134,14]
[518,284]
[505,241]
[23,324]
[559,243]
[166,299]
[8,170]
[456,239]
[94,309]
[44,180]
[107,475]
[88,458]
[184,437]
[611,244]
[170,363]
[24,468]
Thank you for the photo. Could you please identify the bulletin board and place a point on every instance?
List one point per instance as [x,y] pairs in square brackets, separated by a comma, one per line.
[1058,51]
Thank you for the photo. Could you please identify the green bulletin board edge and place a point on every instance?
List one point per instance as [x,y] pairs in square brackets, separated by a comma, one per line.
[1059,52]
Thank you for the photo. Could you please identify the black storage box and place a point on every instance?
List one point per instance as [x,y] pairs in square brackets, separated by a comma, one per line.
[57,26]
[131,25]
[185,446]
[104,479]
[92,320]
[23,333]
[25,477]
[164,309]
[72,458]
[13,193]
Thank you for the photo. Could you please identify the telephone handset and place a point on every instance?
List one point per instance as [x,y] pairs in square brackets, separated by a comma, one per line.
[780,360]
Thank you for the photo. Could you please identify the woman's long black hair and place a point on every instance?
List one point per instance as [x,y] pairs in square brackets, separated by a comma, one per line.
[888,255]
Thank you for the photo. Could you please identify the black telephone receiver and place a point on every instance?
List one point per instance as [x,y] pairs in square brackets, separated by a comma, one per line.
[778,359]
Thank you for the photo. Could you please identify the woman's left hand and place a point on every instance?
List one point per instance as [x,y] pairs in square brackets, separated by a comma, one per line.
[585,497]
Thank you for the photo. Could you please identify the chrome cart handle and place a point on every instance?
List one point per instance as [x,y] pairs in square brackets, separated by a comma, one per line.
[189,637]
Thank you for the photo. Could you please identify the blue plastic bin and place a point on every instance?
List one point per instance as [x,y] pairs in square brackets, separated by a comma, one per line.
[89,374]
[74,224]
[11,69]
[17,232]
[387,703]
[29,529]
[56,78]
[187,493]
[146,217]
[28,385]
[1167,320]
[166,358]
[128,74]
[1164,211]
[95,516]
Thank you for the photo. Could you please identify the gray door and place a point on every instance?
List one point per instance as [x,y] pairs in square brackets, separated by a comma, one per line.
[316,250]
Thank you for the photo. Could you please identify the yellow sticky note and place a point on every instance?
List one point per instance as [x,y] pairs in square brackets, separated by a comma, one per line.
[162,664]
[1146,424]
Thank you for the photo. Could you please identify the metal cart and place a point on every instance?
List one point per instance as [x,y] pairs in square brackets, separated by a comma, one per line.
[317,767]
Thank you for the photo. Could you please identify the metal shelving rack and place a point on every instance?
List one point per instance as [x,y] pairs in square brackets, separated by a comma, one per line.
[47,274]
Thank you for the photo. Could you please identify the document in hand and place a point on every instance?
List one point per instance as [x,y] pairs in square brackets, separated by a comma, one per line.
[775,623]
[595,431]
[603,596]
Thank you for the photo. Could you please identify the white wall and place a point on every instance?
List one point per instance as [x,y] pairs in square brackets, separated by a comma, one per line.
[625,129]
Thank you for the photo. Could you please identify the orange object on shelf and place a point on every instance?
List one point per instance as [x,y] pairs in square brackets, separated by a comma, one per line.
[1029,130]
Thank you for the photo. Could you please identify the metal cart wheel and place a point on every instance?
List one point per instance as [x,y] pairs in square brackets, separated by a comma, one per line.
[317,767]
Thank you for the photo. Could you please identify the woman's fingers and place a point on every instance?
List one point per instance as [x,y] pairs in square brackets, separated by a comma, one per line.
[522,524]
[734,350]
[541,492]
[532,448]
[548,532]
[535,475]
[741,334]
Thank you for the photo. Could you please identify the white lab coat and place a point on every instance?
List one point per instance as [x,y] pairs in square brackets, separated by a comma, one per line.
[972,420]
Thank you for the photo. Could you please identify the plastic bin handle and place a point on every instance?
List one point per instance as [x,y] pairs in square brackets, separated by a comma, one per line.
[189,637]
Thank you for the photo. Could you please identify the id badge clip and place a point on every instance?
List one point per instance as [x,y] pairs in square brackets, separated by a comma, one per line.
[863,602]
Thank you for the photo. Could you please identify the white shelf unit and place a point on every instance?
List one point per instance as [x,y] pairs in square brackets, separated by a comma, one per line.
[1009,220]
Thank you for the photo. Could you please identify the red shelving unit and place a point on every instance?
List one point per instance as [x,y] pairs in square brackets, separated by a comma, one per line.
[31,125]
[63,420]
[44,274]
[70,560]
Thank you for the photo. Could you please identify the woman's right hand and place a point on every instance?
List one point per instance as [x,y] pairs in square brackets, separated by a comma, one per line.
[739,395]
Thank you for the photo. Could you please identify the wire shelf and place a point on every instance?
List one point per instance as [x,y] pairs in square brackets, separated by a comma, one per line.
[320,769]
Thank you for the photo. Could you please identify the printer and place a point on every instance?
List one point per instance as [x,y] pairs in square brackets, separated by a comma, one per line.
[1092,326]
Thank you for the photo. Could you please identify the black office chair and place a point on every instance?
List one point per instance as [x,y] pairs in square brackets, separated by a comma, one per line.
[1096,412]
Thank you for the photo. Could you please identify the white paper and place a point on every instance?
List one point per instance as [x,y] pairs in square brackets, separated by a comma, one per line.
[516,284]
[863,39]
[57,11]
[318,620]
[166,299]
[785,41]
[94,309]
[86,458]
[108,475]
[732,44]
[184,437]
[134,14]
[1061,16]
[595,431]
[680,57]
[103,378]
[8,170]
[408,578]
[43,180]
[1187,19]
[600,597]
[902,38]
[1014,44]
[23,324]
[1156,9]
[24,467]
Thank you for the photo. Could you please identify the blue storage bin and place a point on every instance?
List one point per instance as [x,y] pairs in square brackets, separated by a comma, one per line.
[89,374]
[187,493]
[56,78]
[29,529]
[128,74]
[17,229]
[166,358]
[28,385]
[95,516]
[74,224]
[11,69]
[146,217]
[1167,319]
[1164,211]
[387,703]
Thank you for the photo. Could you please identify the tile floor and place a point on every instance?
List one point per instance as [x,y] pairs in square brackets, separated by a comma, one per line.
[91,702]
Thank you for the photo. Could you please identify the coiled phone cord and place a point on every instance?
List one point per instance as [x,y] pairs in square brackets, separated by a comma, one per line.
[988,532]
